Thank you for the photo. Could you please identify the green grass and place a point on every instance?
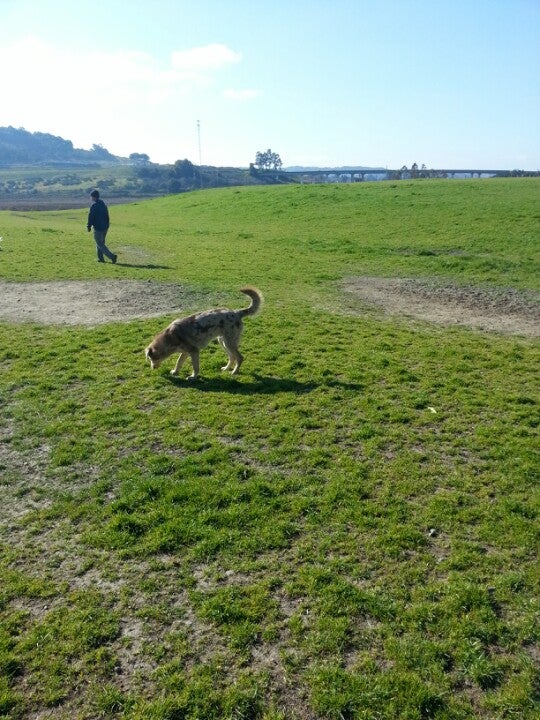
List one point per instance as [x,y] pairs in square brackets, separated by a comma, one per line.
[308,540]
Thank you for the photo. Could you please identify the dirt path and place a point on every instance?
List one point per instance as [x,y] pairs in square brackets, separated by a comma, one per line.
[92,303]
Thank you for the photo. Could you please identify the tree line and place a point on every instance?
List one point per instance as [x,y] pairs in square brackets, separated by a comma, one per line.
[20,147]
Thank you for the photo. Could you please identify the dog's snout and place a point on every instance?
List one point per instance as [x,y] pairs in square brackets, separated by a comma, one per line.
[153,363]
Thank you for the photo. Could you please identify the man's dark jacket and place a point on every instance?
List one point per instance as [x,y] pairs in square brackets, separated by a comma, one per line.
[98,217]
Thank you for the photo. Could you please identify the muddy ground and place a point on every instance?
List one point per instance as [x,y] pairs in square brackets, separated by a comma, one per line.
[504,310]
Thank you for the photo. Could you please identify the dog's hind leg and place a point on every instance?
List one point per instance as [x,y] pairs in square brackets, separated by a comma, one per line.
[181,360]
[235,359]
[238,360]
[194,355]
[230,358]
[230,342]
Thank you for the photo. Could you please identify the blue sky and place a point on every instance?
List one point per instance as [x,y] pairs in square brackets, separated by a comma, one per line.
[452,83]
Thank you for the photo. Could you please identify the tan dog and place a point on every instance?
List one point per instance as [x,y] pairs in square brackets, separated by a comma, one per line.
[191,334]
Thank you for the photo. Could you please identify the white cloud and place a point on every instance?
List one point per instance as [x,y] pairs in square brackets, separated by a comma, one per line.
[209,57]
[127,101]
[241,94]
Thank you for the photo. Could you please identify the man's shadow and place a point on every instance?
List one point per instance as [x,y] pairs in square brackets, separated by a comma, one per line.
[149,266]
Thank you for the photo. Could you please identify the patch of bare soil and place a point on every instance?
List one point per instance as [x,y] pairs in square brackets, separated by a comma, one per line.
[73,302]
[502,310]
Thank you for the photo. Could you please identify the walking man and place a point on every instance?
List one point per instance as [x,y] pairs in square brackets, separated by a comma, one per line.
[98,218]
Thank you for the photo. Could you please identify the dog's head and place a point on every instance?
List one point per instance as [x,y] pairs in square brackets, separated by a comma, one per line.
[153,357]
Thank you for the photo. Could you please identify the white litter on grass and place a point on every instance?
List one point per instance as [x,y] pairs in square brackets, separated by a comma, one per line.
[432,409]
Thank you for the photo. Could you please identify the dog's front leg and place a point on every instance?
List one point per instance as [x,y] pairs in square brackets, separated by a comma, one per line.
[181,360]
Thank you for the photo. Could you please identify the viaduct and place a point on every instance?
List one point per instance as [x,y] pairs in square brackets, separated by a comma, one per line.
[352,175]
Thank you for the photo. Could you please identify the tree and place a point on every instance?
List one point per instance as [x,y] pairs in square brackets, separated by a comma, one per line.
[268,160]
[139,157]
[100,152]
[183,169]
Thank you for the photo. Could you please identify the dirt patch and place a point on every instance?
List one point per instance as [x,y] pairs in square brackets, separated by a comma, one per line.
[96,302]
[503,310]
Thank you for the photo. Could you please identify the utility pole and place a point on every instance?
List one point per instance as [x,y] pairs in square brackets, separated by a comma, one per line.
[200,156]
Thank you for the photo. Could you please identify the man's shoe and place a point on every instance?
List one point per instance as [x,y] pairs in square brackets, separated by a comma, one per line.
[114,259]
[101,260]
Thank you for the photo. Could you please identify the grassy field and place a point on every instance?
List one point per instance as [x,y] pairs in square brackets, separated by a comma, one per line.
[347,530]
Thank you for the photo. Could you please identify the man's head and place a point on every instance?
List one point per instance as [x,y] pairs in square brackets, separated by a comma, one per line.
[94,194]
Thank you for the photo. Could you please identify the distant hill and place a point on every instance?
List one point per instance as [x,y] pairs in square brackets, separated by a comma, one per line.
[18,147]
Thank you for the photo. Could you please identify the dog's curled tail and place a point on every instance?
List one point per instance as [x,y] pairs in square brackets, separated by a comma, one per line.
[256,300]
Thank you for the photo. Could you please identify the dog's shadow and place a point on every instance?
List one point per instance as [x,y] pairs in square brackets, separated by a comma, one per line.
[260,384]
